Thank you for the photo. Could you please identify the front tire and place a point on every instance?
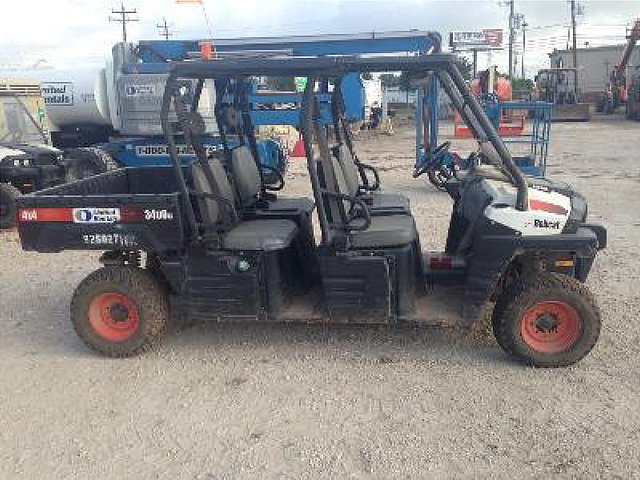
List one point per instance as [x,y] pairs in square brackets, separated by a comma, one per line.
[120,311]
[547,320]
[8,196]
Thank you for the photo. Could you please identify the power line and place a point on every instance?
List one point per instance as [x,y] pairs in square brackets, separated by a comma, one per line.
[163,29]
[123,18]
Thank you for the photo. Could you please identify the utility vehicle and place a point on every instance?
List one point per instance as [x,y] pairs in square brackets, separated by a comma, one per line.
[558,86]
[210,242]
[28,162]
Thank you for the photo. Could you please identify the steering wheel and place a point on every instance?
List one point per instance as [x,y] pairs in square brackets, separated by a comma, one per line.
[434,159]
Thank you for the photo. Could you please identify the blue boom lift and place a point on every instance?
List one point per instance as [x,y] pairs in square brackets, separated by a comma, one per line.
[136,74]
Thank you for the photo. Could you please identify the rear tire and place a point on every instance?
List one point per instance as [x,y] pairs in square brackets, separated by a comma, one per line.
[120,311]
[8,207]
[547,320]
[87,162]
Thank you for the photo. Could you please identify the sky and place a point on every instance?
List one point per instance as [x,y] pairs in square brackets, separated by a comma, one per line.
[68,32]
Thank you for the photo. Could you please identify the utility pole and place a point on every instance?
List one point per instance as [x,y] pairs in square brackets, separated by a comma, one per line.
[475,62]
[163,29]
[123,18]
[524,43]
[575,41]
[512,32]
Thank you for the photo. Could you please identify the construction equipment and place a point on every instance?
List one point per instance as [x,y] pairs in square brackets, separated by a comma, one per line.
[557,86]
[616,91]
[115,107]
[27,160]
[219,244]
[633,99]
[524,125]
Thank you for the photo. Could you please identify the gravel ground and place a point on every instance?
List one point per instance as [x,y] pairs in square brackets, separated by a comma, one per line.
[233,401]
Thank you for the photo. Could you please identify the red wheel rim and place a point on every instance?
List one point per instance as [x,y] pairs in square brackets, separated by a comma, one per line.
[113,316]
[551,327]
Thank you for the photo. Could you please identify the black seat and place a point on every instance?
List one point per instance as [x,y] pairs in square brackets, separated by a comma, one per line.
[217,208]
[350,214]
[248,184]
[386,231]
[354,171]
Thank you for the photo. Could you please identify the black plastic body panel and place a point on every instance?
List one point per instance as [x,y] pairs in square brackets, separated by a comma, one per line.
[357,288]
[298,210]
[29,179]
[369,286]
[492,254]
[214,285]
[217,286]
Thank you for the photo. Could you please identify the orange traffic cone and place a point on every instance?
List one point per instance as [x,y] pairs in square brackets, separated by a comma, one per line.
[298,149]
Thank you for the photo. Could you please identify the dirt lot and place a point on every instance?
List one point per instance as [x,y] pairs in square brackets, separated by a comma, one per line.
[232,401]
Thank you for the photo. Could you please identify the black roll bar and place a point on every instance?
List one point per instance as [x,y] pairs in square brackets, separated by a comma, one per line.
[173,153]
[307,107]
[522,200]
[460,105]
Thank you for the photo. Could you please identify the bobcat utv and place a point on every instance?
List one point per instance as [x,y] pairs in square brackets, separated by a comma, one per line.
[211,243]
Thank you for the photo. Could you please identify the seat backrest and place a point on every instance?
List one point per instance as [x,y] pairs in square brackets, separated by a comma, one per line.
[246,175]
[349,169]
[334,179]
[212,211]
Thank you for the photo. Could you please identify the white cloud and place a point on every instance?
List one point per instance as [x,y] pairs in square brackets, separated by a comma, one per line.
[72,31]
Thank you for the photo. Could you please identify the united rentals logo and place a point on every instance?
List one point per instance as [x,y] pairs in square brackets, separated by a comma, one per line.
[57,93]
[135,90]
[96,215]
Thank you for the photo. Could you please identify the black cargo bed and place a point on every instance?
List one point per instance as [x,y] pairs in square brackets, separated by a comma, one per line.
[126,209]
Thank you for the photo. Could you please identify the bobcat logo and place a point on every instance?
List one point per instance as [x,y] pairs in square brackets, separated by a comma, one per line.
[543,223]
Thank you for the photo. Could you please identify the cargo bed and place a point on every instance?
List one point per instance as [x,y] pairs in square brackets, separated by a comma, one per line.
[125,209]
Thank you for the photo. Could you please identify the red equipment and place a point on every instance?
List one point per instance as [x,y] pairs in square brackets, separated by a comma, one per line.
[616,90]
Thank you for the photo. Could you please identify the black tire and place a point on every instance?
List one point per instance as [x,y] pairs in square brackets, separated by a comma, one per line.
[8,208]
[567,320]
[143,298]
[86,162]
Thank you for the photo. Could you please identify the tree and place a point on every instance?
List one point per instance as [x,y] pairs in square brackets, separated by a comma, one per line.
[405,82]
[466,68]
[281,84]
[522,84]
[367,76]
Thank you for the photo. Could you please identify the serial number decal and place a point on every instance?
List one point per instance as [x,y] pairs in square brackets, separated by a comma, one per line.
[96,215]
[153,214]
[111,239]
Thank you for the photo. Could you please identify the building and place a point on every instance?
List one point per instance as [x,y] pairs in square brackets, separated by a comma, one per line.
[594,66]
[395,98]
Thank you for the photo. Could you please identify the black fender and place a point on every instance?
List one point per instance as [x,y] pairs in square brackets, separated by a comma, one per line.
[493,254]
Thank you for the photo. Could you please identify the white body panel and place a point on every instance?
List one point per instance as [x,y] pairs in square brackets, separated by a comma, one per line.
[547,214]
[9,152]
[73,96]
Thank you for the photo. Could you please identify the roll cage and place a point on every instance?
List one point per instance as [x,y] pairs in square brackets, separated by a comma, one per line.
[186,81]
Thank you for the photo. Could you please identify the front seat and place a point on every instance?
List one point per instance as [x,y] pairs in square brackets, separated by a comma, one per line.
[221,221]
[381,231]
[353,171]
